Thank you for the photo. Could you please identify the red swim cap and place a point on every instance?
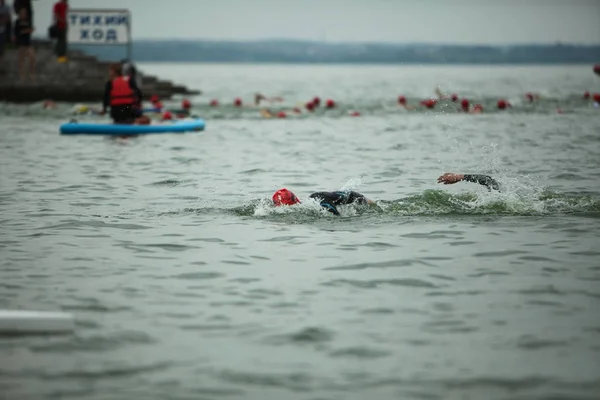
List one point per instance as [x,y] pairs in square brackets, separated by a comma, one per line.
[429,103]
[465,104]
[316,101]
[330,103]
[154,98]
[284,197]
[401,100]
[167,115]
[281,114]
[454,97]
[310,106]
[185,104]
[214,102]
[237,102]
[501,104]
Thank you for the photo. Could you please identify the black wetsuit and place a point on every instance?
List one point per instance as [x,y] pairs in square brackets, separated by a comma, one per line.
[22,33]
[329,200]
[484,180]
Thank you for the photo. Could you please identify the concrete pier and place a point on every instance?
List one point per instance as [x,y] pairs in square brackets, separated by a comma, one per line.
[81,79]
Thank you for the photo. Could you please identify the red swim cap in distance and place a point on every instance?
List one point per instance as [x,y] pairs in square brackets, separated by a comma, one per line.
[284,197]
[185,104]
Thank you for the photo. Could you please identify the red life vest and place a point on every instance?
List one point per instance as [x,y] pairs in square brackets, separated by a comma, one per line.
[121,93]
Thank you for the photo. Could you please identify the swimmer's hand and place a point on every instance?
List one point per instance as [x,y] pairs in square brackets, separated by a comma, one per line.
[374,205]
[449,178]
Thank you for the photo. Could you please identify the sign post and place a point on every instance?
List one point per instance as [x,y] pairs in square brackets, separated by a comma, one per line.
[100,27]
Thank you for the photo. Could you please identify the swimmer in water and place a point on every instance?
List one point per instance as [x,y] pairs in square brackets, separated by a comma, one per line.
[327,200]
[441,95]
[331,200]
[259,97]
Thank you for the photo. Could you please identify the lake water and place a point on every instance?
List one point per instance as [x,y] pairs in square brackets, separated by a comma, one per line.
[187,284]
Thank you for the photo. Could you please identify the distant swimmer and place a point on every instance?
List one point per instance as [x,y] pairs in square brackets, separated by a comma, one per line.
[185,110]
[332,200]
[49,104]
[402,103]
[441,95]
[123,97]
[597,69]
[428,103]
[503,104]
[531,97]
[259,97]
[266,113]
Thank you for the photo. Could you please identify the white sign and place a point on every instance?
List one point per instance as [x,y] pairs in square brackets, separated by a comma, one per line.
[107,27]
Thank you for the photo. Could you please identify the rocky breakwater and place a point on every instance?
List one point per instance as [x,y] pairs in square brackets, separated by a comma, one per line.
[81,79]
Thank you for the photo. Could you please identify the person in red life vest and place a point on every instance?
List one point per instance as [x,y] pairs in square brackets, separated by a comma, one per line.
[59,14]
[310,106]
[329,104]
[122,95]
[454,97]
[237,102]
[464,106]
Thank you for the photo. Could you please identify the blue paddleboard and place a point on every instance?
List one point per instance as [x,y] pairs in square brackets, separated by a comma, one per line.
[76,128]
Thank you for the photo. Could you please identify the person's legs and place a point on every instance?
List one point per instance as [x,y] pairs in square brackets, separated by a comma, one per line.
[61,44]
[31,55]
[2,45]
[121,114]
[22,55]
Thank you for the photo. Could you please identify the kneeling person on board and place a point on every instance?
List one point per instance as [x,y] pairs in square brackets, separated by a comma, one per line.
[123,96]
[330,200]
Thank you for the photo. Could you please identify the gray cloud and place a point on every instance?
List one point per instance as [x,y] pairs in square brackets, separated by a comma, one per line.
[428,21]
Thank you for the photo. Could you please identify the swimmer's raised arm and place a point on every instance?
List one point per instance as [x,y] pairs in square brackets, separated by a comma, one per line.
[449,178]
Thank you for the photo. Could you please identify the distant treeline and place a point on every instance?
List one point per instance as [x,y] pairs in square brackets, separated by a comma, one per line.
[282,51]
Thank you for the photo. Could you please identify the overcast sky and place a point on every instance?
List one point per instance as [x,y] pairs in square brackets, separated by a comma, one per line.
[426,21]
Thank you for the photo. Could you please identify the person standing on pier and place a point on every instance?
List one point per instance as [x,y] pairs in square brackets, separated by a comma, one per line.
[60,20]
[23,31]
[5,33]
